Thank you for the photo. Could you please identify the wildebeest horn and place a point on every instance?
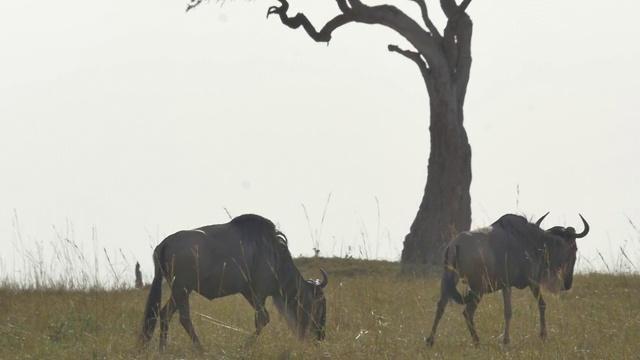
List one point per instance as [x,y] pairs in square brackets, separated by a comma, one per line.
[586,228]
[325,278]
[541,218]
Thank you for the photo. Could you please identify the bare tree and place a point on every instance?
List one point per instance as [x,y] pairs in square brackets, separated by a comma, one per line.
[444,61]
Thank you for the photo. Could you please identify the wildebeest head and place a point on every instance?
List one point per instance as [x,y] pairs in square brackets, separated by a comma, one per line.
[561,255]
[308,310]
[319,306]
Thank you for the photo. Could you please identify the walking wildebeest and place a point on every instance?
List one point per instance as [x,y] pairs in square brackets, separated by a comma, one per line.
[512,252]
[249,256]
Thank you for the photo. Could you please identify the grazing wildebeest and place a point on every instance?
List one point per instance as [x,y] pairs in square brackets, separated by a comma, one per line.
[512,252]
[249,256]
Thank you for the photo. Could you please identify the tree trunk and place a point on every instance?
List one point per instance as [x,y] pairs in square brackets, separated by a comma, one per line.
[445,209]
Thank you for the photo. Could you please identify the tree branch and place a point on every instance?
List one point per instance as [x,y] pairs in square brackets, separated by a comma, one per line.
[355,3]
[452,10]
[386,15]
[415,57]
[411,55]
[193,4]
[324,35]
[425,17]
[449,8]
[464,5]
[342,5]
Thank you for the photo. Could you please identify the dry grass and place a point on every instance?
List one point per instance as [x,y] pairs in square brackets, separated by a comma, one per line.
[373,314]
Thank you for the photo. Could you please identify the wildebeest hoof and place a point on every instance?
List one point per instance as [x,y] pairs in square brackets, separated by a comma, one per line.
[430,341]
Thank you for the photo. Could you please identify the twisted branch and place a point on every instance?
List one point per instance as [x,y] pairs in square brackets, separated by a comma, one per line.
[193,4]
[300,19]
[386,15]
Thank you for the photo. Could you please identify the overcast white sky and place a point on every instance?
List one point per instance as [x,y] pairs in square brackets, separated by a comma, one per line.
[137,119]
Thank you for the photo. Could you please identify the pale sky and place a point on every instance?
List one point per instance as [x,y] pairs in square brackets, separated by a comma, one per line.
[137,119]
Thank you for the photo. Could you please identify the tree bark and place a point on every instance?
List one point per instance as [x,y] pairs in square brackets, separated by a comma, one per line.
[445,209]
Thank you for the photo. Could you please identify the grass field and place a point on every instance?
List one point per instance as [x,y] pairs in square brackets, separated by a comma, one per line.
[373,314]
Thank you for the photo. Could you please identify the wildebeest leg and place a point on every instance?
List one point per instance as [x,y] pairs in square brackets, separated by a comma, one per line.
[506,295]
[542,306]
[185,319]
[262,316]
[442,303]
[468,312]
[165,316]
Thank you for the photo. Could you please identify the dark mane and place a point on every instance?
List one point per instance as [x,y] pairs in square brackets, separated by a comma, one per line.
[511,221]
[263,231]
[520,229]
[254,223]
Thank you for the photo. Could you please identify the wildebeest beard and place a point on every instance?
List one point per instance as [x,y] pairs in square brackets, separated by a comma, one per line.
[557,272]
[306,311]
[553,283]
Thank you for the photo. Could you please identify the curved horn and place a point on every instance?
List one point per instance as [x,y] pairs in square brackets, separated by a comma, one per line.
[325,278]
[586,228]
[541,218]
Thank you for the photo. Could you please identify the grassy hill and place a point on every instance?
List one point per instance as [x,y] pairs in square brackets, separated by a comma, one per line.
[373,314]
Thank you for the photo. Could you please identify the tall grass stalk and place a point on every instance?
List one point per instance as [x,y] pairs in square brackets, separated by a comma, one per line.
[316,233]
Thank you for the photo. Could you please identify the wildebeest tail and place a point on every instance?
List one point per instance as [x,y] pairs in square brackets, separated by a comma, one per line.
[151,310]
[450,275]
